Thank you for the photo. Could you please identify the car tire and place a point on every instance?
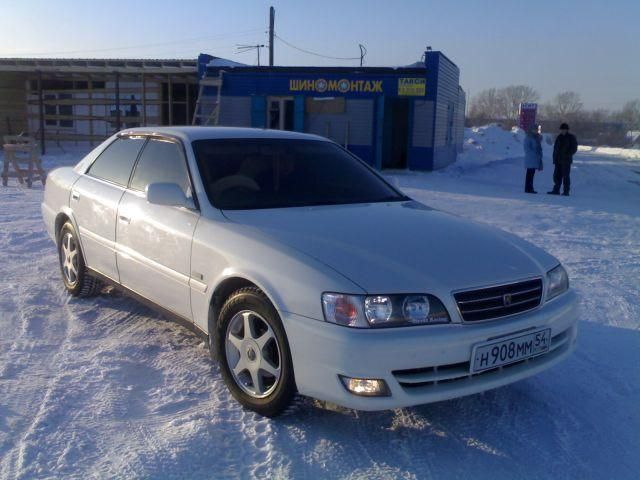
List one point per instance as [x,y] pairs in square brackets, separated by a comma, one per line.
[255,362]
[77,280]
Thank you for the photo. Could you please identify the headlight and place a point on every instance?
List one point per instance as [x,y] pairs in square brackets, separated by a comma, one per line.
[557,282]
[362,311]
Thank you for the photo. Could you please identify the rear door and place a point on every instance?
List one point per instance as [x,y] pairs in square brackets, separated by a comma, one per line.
[94,201]
[154,241]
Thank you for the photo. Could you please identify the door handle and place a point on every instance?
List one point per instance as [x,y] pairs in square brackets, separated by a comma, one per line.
[74,195]
[124,218]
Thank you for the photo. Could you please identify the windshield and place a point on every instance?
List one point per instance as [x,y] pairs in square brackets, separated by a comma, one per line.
[243,174]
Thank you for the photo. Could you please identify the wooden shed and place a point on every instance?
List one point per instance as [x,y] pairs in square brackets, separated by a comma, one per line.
[87,100]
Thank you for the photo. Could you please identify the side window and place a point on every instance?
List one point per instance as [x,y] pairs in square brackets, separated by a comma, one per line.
[116,162]
[161,161]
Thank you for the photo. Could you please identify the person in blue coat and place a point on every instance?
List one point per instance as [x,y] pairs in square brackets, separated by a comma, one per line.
[532,157]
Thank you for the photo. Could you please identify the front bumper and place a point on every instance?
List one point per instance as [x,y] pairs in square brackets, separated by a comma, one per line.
[420,364]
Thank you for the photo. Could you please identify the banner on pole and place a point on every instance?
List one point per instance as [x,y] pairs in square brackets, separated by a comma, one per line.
[527,115]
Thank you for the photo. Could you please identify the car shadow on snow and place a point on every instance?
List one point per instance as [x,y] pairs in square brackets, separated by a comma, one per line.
[577,420]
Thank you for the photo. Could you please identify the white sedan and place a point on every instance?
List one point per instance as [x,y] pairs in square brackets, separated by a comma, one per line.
[306,271]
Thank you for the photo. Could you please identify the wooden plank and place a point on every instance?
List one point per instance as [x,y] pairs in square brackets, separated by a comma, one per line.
[106,91]
[106,118]
[95,101]
[105,70]
[78,137]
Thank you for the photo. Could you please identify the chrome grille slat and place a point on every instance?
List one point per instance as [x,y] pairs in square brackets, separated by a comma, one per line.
[513,304]
[499,297]
[489,303]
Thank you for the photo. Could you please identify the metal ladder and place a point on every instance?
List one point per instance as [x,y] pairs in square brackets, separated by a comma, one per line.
[213,117]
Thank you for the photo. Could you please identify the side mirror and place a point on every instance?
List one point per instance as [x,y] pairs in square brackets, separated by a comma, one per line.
[169,194]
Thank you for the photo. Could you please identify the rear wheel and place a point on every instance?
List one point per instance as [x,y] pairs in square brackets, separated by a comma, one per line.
[254,355]
[77,280]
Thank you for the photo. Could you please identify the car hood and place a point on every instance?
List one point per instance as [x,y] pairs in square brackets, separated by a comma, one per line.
[400,247]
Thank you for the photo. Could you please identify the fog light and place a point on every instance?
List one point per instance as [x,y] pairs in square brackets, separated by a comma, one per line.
[366,387]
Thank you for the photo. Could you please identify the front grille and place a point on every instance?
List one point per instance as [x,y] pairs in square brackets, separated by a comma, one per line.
[496,302]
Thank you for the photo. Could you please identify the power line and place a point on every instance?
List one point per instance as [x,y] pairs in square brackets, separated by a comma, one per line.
[148,45]
[314,53]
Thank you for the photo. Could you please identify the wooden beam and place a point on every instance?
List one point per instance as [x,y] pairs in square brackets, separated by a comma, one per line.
[90,85]
[186,107]
[170,97]
[106,118]
[41,111]
[144,100]
[118,121]
[95,101]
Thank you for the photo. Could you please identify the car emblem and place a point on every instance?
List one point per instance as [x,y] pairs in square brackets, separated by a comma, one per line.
[506,299]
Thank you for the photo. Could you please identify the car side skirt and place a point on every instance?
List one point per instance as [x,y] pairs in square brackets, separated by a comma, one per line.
[167,314]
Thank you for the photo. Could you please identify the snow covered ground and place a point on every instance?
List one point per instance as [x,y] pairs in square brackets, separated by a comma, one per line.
[106,388]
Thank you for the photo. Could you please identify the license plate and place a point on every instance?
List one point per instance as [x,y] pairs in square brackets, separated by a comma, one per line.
[502,352]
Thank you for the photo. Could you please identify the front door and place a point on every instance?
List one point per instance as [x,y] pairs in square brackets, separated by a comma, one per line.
[153,242]
[280,113]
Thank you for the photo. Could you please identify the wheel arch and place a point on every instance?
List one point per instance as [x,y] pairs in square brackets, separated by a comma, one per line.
[64,215]
[61,219]
[221,293]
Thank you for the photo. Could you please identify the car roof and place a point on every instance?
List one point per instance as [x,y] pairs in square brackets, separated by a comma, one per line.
[190,133]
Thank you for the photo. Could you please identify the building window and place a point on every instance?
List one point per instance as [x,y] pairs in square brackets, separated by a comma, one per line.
[57,109]
[325,105]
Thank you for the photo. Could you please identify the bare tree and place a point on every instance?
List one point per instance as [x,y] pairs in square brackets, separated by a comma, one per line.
[484,105]
[501,104]
[564,106]
[630,114]
[599,115]
[513,96]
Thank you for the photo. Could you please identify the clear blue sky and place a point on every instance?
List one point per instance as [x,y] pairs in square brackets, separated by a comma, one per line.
[592,47]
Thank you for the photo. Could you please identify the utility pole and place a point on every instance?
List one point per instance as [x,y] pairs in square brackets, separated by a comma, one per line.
[272,19]
[363,52]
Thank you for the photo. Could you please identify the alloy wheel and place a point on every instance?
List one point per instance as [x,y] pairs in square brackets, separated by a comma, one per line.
[253,354]
[69,258]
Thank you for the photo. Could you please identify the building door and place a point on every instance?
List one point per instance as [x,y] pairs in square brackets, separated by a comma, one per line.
[280,113]
[395,136]
[450,113]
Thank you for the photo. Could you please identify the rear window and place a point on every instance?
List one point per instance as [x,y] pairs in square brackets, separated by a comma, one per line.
[116,162]
[242,174]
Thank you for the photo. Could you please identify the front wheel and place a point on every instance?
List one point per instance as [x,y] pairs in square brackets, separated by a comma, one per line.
[75,277]
[254,355]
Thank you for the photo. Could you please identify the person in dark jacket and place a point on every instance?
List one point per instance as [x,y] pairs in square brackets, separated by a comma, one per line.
[563,151]
[532,157]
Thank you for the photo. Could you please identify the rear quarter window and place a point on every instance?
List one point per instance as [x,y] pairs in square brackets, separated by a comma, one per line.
[116,162]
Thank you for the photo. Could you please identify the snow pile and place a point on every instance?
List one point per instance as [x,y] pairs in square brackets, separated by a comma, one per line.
[492,143]
[627,153]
